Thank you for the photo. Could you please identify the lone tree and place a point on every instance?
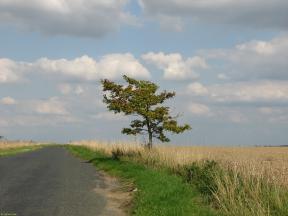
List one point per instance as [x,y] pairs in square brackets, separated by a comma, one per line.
[140,98]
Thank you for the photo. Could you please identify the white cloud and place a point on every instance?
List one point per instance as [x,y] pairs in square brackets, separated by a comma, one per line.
[79,90]
[34,112]
[198,109]
[83,67]
[112,66]
[65,88]
[265,91]
[197,88]
[174,66]
[222,76]
[52,106]
[259,47]
[251,13]
[275,114]
[273,110]
[219,113]
[9,71]
[239,102]
[241,92]
[109,116]
[234,116]
[92,18]
[116,65]
[254,59]
[34,120]
[8,101]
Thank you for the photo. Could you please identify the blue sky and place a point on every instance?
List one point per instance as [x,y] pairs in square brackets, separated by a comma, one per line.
[227,61]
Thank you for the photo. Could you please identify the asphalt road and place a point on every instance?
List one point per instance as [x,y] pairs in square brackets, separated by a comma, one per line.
[49,182]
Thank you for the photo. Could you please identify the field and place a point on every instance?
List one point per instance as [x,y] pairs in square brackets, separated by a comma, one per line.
[14,144]
[14,147]
[235,180]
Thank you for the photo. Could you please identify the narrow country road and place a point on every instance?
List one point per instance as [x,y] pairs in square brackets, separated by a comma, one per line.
[49,182]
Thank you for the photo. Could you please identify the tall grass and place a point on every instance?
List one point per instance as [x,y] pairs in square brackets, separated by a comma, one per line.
[5,144]
[236,180]
[15,147]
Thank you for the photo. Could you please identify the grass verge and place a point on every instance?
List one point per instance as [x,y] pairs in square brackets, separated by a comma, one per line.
[17,150]
[158,191]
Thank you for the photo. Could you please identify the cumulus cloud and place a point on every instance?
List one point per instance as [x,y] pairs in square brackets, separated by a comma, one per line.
[269,110]
[223,113]
[254,59]
[256,91]
[239,102]
[220,113]
[175,67]
[198,109]
[52,106]
[9,71]
[34,120]
[65,88]
[109,116]
[252,13]
[8,101]
[84,68]
[222,76]
[275,114]
[92,18]
[233,116]
[79,90]
[110,66]
[251,91]
[36,112]
[197,89]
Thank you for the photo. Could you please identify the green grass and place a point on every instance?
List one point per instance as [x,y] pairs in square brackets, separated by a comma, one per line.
[158,191]
[17,150]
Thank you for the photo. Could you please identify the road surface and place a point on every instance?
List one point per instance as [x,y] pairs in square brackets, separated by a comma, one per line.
[49,182]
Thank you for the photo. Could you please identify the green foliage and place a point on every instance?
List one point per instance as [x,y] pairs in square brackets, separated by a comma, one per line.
[140,98]
[117,153]
[203,176]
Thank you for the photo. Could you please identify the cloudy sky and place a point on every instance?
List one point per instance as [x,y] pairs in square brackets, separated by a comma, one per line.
[227,60]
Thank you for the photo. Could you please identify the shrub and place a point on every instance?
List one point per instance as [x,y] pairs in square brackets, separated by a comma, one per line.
[202,175]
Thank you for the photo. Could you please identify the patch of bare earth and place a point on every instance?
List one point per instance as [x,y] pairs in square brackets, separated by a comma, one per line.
[118,195]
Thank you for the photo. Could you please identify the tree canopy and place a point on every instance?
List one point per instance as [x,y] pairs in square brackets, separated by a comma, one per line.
[140,98]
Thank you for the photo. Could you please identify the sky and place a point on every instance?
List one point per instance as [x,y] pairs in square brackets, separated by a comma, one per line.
[227,61]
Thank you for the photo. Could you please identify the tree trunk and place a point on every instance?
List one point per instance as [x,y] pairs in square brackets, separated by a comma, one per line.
[150,134]
[150,140]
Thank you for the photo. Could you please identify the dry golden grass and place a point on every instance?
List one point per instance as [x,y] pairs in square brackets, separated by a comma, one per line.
[268,162]
[4,144]
[254,181]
